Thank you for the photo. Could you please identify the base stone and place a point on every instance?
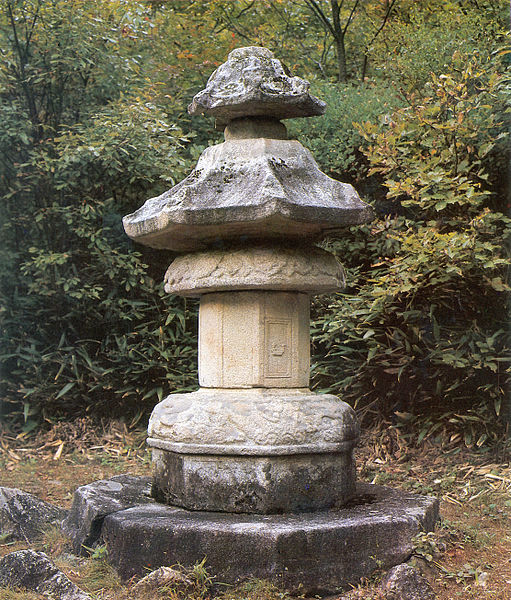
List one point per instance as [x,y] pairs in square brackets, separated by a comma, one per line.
[308,553]
[253,484]
[253,450]
[93,502]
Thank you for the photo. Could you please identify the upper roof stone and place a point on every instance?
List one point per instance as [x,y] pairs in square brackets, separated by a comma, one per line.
[252,83]
[257,186]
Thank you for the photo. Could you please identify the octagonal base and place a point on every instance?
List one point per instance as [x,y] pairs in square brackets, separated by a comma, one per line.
[253,484]
[253,450]
[309,553]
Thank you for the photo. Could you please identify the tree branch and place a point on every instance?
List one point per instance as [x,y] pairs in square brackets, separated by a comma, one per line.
[350,18]
[230,25]
[245,9]
[336,11]
[390,6]
[29,34]
[383,23]
[316,9]
[22,57]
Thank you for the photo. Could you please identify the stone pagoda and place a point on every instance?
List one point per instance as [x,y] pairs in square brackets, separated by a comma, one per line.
[253,471]
[254,438]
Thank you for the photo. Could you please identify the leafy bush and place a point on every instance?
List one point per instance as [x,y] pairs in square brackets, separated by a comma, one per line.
[84,325]
[425,38]
[332,139]
[423,324]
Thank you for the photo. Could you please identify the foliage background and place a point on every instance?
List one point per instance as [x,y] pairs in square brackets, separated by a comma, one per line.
[93,121]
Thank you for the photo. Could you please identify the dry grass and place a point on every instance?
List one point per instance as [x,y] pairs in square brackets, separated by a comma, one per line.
[53,463]
[10,594]
[84,436]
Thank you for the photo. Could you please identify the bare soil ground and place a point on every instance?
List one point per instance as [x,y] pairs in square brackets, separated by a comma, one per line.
[467,557]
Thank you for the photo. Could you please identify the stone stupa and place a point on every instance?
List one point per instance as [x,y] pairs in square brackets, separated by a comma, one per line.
[254,471]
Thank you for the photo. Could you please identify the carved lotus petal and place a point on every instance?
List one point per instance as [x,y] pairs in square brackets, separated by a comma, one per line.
[310,270]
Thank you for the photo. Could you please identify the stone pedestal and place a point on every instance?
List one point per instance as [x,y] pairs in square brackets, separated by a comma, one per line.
[254,438]
[256,450]
[321,552]
[307,553]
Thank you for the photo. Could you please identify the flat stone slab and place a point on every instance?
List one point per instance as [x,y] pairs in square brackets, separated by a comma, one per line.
[320,552]
[92,502]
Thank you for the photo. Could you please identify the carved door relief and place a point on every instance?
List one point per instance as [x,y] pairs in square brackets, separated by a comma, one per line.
[278,343]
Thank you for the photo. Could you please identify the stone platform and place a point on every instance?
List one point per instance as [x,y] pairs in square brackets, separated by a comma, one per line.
[311,553]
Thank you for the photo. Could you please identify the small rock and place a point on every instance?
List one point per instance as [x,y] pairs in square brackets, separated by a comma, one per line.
[164,576]
[482,579]
[24,516]
[72,559]
[35,571]
[406,583]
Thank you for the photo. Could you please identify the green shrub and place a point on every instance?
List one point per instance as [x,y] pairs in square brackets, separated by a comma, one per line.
[85,323]
[332,138]
[423,324]
[425,38]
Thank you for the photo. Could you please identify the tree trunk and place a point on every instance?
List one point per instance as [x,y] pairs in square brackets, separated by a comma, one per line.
[338,32]
[342,74]
[364,67]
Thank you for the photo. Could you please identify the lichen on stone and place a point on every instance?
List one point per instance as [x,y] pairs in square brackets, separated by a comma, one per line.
[252,82]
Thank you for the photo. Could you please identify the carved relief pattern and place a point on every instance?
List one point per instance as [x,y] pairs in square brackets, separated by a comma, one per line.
[269,268]
[232,418]
[278,347]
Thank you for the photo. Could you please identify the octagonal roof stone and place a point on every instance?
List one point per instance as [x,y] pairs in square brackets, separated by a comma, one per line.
[252,82]
[248,189]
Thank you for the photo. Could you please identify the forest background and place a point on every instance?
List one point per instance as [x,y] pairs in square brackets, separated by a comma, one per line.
[93,121]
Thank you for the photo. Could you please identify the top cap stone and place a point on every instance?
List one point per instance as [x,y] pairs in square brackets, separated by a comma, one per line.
[252,83]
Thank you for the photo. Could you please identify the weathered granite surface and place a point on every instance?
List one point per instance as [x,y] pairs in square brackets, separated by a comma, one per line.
[264,451]
[300,269]
[246,128]
[320,552]
[167,577]
[248,189]
[253,484]
[253,450]
[404,582]
[92,502]
[252,82]
[258,184]
[24,516]
[254,339]
[35,571]
[253,422]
